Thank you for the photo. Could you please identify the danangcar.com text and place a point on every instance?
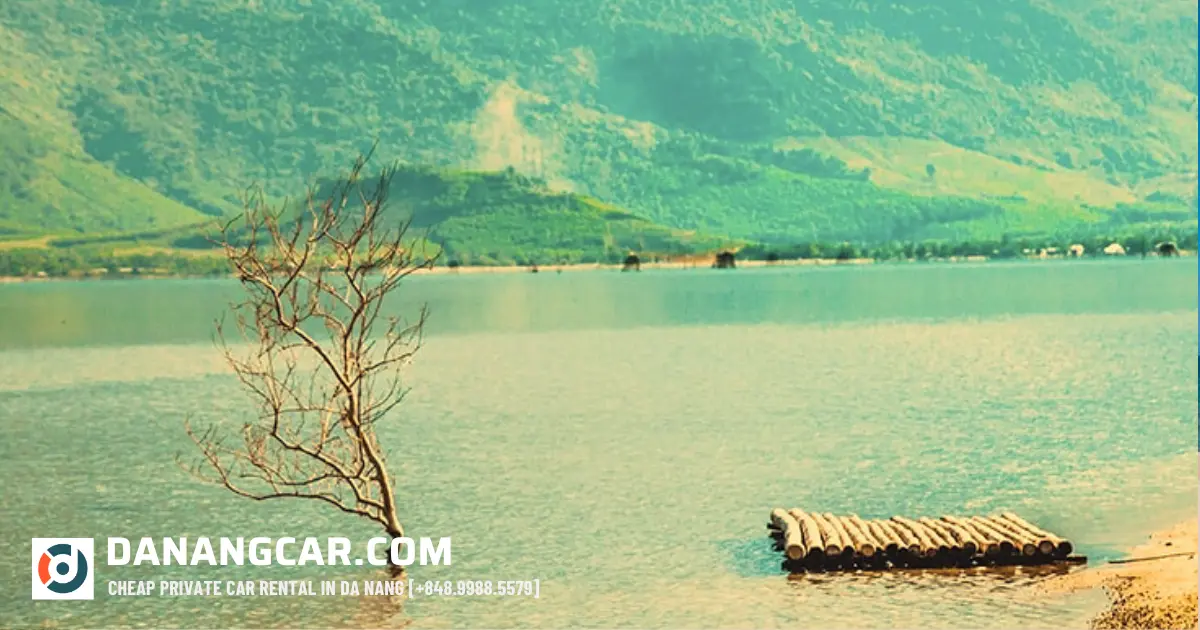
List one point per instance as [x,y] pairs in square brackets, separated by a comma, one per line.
[264,551]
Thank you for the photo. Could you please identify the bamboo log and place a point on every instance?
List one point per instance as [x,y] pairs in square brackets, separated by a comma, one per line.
[928,547]
[874,534]
[1151,558]
[1061,546]
[793,540]
[984,543]
[883,541]
[895,542]
[853,536]
[862,544]
[930,543]
[948,541]
[866,532]
[812,535]
[945,543]
[1026,543]
[775,527]
[836,523]
[960,543]
[833,542]
[965,539]
[1043,544]
[982,524]
[909,540]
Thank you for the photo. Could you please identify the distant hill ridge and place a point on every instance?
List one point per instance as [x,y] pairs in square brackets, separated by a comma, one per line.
[769,121]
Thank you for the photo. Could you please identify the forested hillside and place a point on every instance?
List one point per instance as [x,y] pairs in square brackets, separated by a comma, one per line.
[766,120]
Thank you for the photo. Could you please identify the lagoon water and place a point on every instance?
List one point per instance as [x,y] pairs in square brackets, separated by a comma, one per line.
[622,438]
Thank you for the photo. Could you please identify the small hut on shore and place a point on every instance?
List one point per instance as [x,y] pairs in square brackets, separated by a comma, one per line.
[725,260]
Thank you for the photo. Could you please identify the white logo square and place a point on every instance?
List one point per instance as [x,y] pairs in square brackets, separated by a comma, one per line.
[64,568]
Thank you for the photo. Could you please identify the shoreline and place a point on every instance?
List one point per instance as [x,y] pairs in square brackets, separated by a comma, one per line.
[1155,586]
[698,263]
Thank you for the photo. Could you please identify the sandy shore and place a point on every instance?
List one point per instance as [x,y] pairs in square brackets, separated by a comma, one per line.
[1155,587]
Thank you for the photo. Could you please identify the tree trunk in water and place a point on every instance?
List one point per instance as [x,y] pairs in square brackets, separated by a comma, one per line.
[396,571]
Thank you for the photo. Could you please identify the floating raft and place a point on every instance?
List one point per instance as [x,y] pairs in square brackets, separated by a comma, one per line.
[813,541]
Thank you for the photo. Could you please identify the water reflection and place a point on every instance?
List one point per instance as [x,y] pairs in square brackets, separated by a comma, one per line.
[988,578]
[123,312]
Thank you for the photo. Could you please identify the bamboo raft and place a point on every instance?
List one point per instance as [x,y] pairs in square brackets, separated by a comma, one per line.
[814,541]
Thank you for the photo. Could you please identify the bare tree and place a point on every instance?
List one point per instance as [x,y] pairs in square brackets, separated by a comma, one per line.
[322,365]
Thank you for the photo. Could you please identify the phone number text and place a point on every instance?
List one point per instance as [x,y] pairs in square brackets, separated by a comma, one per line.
[474,588]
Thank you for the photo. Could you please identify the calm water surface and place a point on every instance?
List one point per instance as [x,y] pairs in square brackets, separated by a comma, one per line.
[623,436]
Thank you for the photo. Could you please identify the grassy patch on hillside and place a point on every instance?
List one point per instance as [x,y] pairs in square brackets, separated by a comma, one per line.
[933,168]
[46,189]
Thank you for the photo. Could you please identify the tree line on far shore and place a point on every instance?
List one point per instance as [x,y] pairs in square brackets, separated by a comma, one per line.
[65,262]
[98,262]
[1133,244]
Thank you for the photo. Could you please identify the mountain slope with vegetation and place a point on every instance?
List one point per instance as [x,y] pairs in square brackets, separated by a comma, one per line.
[508,218]
[468,218]
[766,120]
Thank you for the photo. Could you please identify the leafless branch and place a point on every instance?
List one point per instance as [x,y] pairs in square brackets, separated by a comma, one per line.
[324,364]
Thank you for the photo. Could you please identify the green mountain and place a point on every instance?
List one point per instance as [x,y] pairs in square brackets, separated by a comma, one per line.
[480,218]
[508,218]
[764,120]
